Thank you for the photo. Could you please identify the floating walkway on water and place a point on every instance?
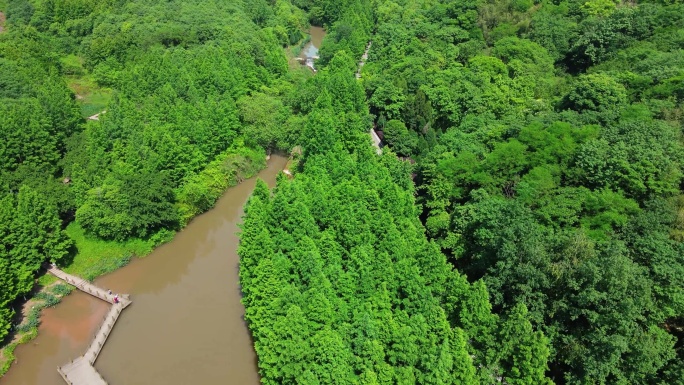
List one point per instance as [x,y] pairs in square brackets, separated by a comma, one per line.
[81,371]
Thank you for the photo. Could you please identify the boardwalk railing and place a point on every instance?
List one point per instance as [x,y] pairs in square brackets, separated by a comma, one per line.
[80,371]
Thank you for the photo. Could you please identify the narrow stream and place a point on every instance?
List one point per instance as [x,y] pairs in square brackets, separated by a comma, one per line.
[185,325]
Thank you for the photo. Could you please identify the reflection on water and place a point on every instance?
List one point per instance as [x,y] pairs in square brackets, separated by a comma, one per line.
[185,324]
[310,51]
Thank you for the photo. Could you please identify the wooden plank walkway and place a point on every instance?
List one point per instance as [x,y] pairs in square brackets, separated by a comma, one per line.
[81,371]
[86,286]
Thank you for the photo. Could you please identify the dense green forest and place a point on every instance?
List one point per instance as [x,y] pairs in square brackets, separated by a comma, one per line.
[548,146]
[524,225]
[177,79]
[547,141]
[340,283]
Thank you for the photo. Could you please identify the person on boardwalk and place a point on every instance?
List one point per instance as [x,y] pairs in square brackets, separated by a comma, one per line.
[109,292]
[116,298]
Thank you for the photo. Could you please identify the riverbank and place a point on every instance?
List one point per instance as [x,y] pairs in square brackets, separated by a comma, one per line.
[186,311]
[27,330]
[303,54]
[97,257]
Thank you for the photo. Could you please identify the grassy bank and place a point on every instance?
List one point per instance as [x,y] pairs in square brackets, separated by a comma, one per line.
[91,97]
[297,49]
[45,296]
[94,257]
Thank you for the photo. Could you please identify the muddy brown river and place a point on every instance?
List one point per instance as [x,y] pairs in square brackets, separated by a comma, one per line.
[185,325]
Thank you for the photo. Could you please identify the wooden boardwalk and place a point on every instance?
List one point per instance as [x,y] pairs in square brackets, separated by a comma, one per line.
[80,371]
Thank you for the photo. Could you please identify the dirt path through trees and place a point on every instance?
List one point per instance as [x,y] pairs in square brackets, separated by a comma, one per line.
[363,60]
[97,116]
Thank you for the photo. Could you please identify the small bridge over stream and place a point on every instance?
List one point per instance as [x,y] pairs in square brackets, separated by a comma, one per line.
[81,371]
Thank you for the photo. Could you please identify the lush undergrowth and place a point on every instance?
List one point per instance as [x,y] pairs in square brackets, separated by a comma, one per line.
[95,257]
[91,97]
[202,190]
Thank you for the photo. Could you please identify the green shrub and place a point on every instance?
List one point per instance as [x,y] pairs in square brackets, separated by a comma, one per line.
[202,190]
[62,289]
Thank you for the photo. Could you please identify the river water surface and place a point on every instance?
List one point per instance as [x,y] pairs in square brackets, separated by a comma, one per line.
[310,50]
[185,325]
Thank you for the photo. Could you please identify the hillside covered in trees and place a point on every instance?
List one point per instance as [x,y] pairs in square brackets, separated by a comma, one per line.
[341,284]
[547,140]
[524,225]
[178,81]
